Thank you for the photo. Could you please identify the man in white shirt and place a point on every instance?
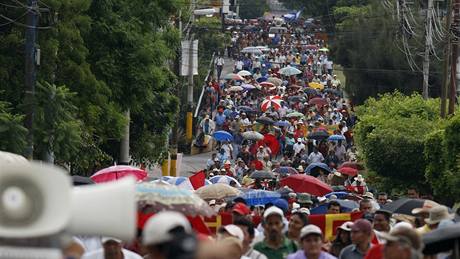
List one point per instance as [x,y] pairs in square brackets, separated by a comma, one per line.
[315,156]
[112,248]
[219,65]
[299,146]
[239,65]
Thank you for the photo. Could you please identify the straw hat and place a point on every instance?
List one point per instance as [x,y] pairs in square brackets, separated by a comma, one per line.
[437,214]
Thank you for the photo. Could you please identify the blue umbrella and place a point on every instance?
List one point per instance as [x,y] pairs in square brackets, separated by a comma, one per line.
[336,138]
[222,135]
[261,79]
[345,206]
[340,195]
[225,179]
[260,197]
[284,170]
[245,109]
[312,166]
[282,124]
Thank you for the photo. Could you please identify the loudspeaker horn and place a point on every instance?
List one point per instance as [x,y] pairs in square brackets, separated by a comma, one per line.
[105,209]
[34,200]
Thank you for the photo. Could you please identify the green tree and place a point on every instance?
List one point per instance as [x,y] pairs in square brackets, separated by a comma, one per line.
[253,9]
[442,152]
[13,133]
[390,135]
[129,52]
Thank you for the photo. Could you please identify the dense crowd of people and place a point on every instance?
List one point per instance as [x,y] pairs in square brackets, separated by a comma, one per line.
[282,112]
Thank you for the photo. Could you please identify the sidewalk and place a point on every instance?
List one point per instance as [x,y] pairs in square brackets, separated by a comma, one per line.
[194,163]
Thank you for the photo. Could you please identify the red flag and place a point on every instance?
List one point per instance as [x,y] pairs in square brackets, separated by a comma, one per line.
[197,179]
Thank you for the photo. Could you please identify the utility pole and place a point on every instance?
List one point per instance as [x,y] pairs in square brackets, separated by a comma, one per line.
[189,116]
[174,133]
[428,43]
[453,76]
[447,55]
[30,73]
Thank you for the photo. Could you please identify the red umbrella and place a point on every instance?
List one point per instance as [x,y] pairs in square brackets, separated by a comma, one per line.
[271,101]
[266,84]
[306,183]
[318,101]
[348,171]
[116,172]
[354,165]
[271,142]
[258,165]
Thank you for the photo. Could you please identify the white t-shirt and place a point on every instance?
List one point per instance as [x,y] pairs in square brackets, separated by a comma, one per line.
[298,147]
[99,254]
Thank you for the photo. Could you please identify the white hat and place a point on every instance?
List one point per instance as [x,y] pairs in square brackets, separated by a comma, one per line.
[273,210]
[346,226]
[359,178]
[299,139]
[437,214]
[300,210]
[212,202]
[369,195]
[310,229]
[156,230]
[234,231]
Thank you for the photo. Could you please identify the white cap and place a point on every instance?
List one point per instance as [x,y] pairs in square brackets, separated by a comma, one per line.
[156,230]
[273,210]
[310,229]
[235,231]
[299,139]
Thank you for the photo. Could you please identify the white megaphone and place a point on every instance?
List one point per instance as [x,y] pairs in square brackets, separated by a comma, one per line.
[38,200]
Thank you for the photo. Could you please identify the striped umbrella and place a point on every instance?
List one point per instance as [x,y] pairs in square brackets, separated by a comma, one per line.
[181,182]
[271,101]
[224,179]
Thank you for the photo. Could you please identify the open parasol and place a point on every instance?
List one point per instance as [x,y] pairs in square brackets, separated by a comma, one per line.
[156,197]
[217,191]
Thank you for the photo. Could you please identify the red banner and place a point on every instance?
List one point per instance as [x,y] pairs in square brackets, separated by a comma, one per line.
[327,222]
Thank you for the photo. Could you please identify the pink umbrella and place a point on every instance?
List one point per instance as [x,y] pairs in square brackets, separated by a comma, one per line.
[116,172]
[271,101]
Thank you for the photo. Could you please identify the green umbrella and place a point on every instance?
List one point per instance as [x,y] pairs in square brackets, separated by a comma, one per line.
[295,115]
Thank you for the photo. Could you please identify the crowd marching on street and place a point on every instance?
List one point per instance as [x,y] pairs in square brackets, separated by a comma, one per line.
[283,178]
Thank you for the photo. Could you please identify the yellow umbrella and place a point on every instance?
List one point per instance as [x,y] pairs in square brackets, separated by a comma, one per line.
[316,85]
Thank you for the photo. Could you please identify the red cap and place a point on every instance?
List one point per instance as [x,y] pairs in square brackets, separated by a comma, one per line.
[241,209]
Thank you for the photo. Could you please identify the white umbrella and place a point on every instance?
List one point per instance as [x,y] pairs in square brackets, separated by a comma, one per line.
[252,50]
[244,73]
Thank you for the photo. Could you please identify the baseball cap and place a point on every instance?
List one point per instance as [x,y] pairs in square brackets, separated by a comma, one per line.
[273,210]
[362,225]
[157,229]
[234,231]
[241,209]
[346,226]
[310,229]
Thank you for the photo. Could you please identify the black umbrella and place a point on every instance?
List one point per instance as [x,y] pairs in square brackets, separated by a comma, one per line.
[442,240]
[81,180]
[404,205]
[296,98]
[318,135]
[245,109]
[265,120]
[262,175]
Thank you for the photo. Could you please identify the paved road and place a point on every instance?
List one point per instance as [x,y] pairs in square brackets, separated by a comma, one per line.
[198,162]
